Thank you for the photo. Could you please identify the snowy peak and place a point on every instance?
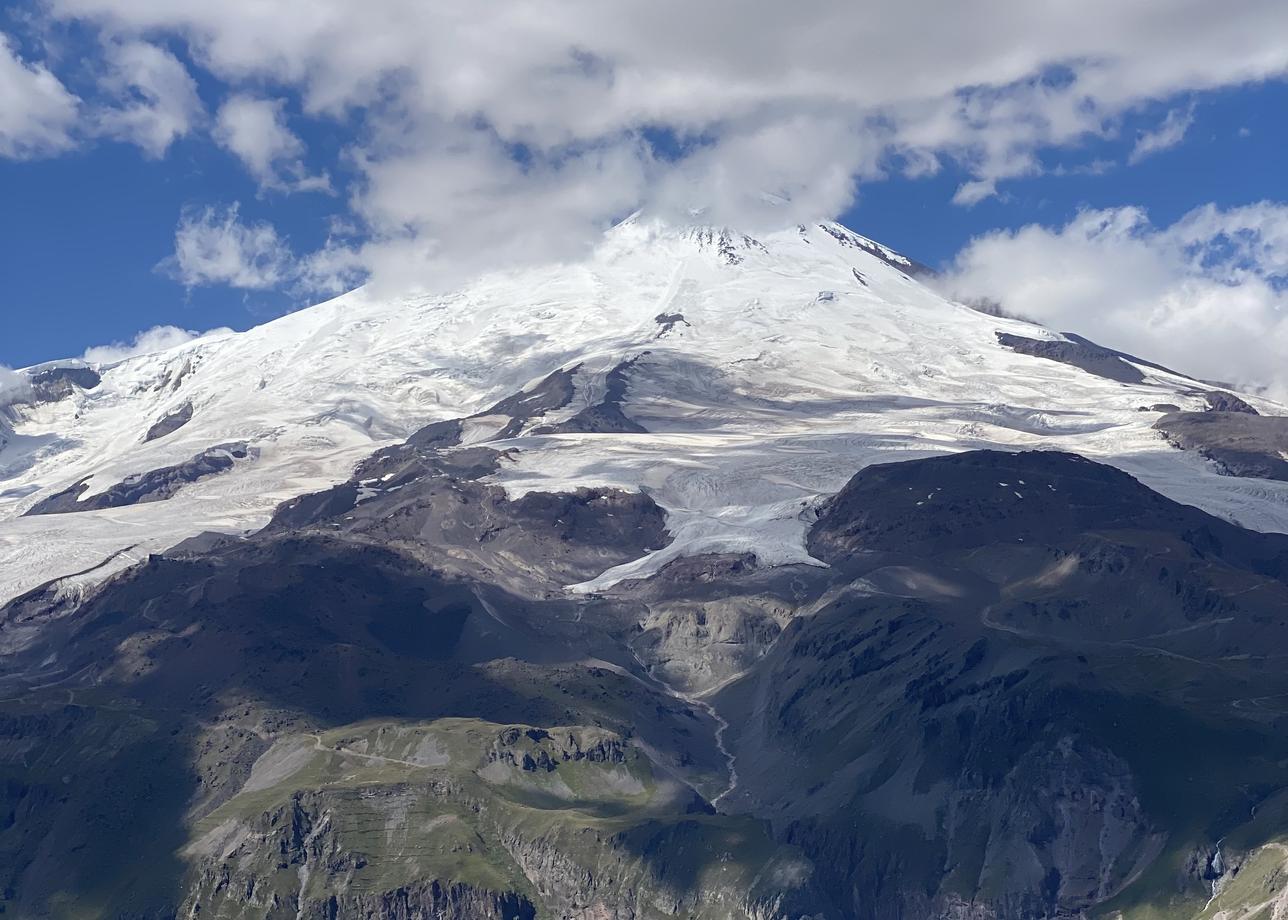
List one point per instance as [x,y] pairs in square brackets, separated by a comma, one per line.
[738,379]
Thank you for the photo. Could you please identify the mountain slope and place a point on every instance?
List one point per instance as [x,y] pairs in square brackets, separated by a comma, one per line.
[711,577]
[794,360]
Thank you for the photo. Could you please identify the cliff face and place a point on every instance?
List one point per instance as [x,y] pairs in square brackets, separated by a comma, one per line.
[423,901]
[299,861]
[464,819]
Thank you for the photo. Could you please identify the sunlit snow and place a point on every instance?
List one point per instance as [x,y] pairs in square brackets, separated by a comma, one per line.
[765,400]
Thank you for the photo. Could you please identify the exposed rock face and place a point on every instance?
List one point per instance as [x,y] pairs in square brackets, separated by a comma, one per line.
[1085,355]
[728,245]
[425,900]
[429,502]
[981,497]
[57,382]
[52,385]
[1241,443]
[152,486]
[507,418]
[305,843]
[847,237]
[668,322]
[170,422]
[1220,401]
[605,415]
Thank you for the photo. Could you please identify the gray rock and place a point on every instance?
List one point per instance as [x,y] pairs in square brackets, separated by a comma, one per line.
[1084,355]
[169,423]
[152,486]
[1221,401]
[553,392]
[605,416]
[1240,443]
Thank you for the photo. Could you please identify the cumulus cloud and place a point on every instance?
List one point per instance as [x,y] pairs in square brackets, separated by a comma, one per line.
[156,97]
[255,130]
[1207,294]
[569,115]
[214,246]
[975,191]
[1166,136]
[37,113]
[149,341]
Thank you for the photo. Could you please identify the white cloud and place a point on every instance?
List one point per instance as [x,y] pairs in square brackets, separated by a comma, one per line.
[1207,295]
[972,193]
[158,338]
[255,130]
[335,268]
[1167,135]
[156,97]
[455,203]
[214,246]
[37,113]
[540,111]
[12,386]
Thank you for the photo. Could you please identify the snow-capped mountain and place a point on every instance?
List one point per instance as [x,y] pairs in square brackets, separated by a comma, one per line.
[757,375]
[712,576]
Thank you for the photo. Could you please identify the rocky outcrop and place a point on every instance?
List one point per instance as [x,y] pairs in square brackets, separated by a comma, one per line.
[847,237]
[152,486]
[169,423]
[605,416]
[1084,355]
[423,900]
[1240,442]
[46,386]
[505,419]
[1221,401]
[428,501]
[299,861]
[57,382]
[536,749]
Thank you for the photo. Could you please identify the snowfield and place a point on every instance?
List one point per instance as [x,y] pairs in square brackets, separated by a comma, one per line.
[799,357]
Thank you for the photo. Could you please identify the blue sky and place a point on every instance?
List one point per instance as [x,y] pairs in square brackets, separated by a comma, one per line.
[169,164]
[1233,154]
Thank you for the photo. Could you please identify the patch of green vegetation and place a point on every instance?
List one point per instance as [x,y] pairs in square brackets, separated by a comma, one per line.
[383,821]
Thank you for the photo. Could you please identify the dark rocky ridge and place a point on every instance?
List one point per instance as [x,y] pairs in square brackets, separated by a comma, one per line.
[845,237]
[54,384]
[1241,443]
[1082,354]
[58,382]
[1220,401]
[553,392]
[169,423]
[427,900]
[605,415]
[433,502]
[981,497]
[152,486]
